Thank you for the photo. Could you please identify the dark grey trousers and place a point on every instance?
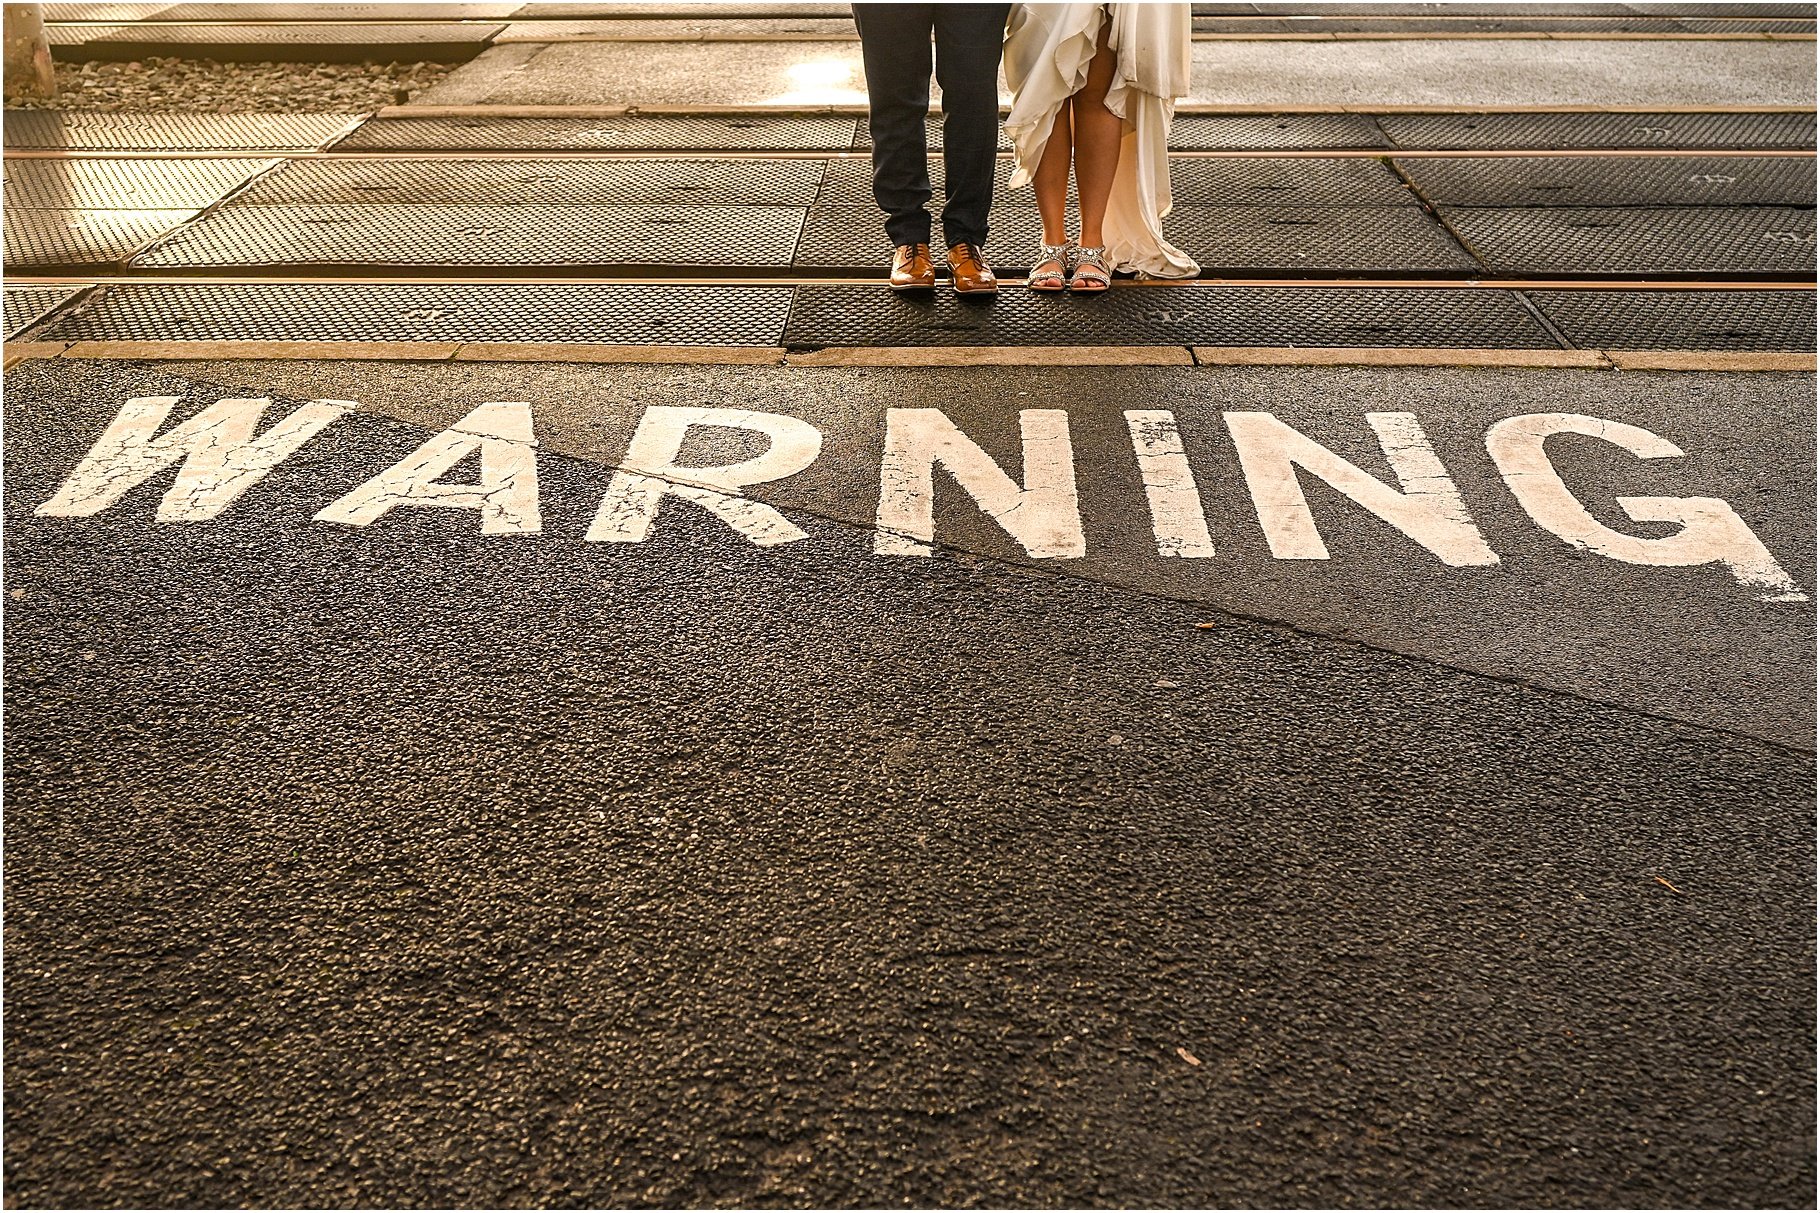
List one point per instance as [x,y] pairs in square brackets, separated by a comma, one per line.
[895,40]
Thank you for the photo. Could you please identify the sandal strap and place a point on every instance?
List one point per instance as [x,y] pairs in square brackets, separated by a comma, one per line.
[1058,253]
[1090,262]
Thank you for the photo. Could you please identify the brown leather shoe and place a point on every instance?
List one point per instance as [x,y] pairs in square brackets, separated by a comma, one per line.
[912,269]
[968,270]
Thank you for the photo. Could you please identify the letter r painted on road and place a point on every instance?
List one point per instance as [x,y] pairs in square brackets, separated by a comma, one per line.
[1711,531]
[651,472]
[1043,514]
[223,456]
[1428,509]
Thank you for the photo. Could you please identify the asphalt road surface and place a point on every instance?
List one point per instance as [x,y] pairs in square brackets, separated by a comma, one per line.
[402,863]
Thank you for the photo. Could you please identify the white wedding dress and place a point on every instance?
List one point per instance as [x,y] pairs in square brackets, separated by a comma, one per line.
[1048,48]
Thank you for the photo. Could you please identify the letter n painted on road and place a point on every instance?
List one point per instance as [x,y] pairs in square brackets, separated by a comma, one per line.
[1043,515]
[1711,531]
[222,455]
[1428,509]
[651,473]
[506,496]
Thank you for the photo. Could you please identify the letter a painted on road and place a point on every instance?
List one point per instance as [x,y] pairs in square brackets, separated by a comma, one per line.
[1711,531]
[506,496]
[222,455]
[1043,514]
[1428,509]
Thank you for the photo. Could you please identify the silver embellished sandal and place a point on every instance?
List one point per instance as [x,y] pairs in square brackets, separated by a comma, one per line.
[1056,279]
[1091,274]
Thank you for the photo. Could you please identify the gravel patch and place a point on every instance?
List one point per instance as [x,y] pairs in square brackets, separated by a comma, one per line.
[157,85]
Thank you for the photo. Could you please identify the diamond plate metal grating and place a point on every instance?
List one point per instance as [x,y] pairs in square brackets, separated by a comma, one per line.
[1196,181]
[849,183]
[172,132]
[26,305]
[269,36]
[1168,315]
[1736,26]
[67,239]
[1225,240]
[541,181]
[1639,240]
[1614,180]
[607,314]
[742,134]
[733,8]
[1273,132]
[385,235]
[932,136]
[1429,26]
[125,184]
[336,12]
[1682,320]
[1548,131]
[680,30]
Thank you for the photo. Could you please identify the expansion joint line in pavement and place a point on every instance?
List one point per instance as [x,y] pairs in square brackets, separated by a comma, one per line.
[1281,626]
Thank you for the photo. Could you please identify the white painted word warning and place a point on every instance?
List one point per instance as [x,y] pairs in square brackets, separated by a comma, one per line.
[221,453]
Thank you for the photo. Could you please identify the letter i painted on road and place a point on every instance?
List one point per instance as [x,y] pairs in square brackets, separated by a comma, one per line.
[1175,500]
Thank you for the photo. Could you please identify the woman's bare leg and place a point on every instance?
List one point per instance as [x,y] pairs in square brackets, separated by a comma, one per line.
[1051,180]
[1097,132]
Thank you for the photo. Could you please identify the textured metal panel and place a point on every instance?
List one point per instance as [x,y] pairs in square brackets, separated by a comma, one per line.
[1682,320]
[382,235]
[587,11]
[1272,132]
[354,42]
[1735,26]
[1318,23]
[1724,10]
[1167,315]
[1639,240]
[125,184]
[1462,10]
[1196,181]
[26,305]
[545,181]
[741,134]
[1290,181]
[101,12]
[932,136]
[608,314]
[1223,239]
[680,30]
[336,12]
[1546,131]
[69,238]
[1614,180]
[849,183]
[172,132]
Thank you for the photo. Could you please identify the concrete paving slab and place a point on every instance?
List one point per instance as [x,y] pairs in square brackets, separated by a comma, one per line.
[1264,74]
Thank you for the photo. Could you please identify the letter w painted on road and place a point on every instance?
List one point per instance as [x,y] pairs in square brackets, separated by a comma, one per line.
[222,455]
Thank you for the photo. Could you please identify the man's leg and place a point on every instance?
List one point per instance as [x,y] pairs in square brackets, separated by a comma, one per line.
[968,42]
[894,41]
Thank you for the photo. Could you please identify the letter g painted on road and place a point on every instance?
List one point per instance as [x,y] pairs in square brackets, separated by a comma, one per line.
[1711,531]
